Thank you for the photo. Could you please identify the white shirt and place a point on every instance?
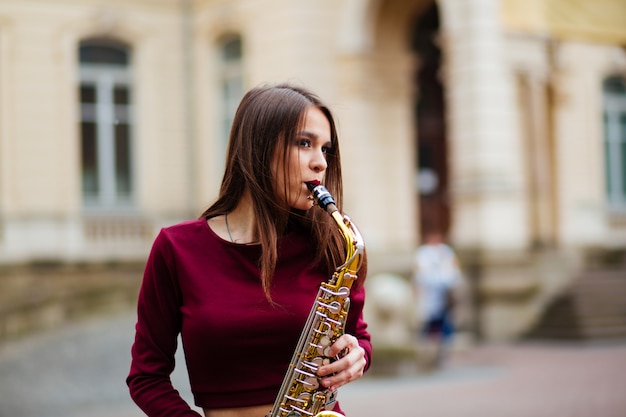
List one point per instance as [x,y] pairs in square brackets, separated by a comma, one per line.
[437,271]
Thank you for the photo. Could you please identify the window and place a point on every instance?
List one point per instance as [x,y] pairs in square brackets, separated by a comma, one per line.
[231,81]
[615,141]
[106,124]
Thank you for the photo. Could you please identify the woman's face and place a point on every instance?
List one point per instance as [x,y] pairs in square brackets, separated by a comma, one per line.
[305,159]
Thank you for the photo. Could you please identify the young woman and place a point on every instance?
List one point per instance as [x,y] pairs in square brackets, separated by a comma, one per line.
[238,283]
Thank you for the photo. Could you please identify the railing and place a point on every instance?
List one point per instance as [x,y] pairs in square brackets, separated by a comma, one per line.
[116,229]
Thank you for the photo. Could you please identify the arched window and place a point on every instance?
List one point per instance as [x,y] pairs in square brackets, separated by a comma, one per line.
[106,124]
[231,80]
[615,140]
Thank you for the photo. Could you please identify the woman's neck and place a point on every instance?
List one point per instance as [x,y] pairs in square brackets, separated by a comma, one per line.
[241,222]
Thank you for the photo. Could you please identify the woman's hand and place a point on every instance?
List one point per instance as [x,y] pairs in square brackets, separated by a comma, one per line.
[346,369]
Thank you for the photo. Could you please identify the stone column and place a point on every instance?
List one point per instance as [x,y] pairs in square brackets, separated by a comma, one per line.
[485,152]
[490,221]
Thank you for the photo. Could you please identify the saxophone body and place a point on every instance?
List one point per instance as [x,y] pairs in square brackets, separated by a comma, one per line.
[301,393]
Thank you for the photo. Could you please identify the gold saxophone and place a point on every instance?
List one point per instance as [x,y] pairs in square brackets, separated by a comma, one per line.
[301,393]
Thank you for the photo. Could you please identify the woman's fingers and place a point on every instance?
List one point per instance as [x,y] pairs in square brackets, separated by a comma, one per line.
[348,367]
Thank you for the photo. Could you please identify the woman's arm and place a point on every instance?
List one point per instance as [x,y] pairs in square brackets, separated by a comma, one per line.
[157,329]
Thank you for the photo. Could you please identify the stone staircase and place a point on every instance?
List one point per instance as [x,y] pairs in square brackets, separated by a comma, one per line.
[593,308]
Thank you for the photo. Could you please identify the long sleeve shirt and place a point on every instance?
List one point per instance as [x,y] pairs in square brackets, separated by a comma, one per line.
[237,345]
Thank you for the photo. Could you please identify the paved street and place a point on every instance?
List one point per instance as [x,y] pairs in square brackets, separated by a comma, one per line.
[80,371]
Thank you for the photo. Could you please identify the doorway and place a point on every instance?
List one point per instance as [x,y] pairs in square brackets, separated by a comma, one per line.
[429,116]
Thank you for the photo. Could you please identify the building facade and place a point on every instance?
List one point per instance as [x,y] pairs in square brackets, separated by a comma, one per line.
[499,122]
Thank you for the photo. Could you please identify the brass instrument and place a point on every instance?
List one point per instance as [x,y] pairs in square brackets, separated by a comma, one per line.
[301,393]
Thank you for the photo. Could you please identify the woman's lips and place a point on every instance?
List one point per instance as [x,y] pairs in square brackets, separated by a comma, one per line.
[310,185]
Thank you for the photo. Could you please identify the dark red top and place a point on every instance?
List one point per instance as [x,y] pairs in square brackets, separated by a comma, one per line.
[237,346]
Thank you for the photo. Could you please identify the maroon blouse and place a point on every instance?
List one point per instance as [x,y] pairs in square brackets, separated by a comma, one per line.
[237,346]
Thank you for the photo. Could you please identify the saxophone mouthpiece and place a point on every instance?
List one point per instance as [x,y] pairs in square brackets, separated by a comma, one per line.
[321,196]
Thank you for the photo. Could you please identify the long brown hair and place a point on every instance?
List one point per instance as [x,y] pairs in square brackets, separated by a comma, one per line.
[267,119]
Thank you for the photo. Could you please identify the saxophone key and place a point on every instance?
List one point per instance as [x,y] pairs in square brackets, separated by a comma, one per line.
[312,383]
[320,361]
[334,307]
[324,345]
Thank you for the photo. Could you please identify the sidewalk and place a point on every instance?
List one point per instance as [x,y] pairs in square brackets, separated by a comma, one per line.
[525,380]
[79,371]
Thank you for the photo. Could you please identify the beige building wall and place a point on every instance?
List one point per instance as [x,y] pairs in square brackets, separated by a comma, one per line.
[559,65]
[580,132]
[524,127]
[175,65]
[41,202]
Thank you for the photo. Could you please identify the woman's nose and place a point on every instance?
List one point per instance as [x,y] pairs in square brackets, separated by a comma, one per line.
[318,162]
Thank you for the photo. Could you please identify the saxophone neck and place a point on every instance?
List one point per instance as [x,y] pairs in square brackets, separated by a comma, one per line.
[354,241]
[355,247]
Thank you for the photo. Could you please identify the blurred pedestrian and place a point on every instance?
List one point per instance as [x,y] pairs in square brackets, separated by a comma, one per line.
[436,275]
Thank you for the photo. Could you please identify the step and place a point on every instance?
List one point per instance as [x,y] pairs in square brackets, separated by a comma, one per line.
[594,307]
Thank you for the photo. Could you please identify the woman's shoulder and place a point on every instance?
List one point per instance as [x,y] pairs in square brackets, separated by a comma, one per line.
[184,229]
[182,237]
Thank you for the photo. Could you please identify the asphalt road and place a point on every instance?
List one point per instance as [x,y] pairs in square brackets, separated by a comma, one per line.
[79,371]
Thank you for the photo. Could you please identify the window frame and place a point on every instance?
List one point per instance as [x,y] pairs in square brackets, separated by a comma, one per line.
[108,116]
[231,83]
[614,141]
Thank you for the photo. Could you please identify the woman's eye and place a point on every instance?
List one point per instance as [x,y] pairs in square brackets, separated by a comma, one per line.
[304,143]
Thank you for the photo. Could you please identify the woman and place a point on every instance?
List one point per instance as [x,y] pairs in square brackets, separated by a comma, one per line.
[238,283]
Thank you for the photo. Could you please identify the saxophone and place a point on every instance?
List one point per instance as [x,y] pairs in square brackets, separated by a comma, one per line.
[301,393]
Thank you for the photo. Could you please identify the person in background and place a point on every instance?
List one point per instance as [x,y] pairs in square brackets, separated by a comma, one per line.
[238,283]
[436,275]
